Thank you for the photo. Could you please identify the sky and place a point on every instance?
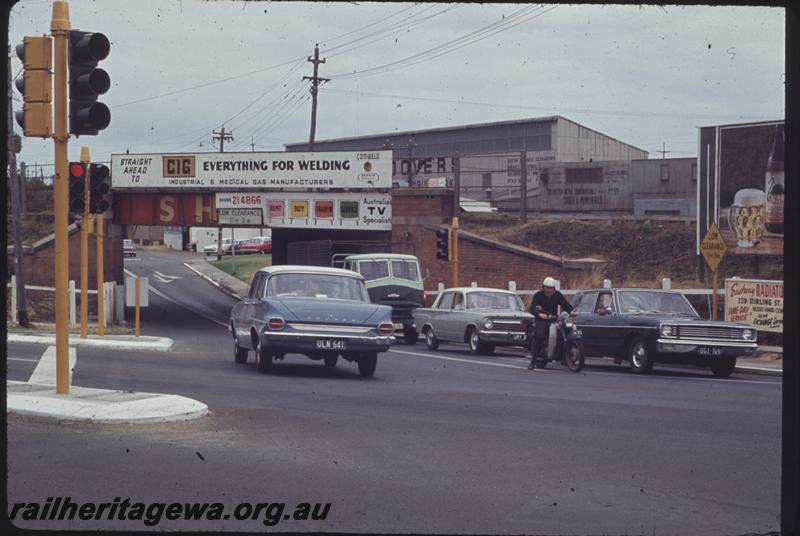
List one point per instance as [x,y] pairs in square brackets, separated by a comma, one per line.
[645,75]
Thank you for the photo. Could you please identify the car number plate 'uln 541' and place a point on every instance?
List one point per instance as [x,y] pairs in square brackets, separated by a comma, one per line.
[331,344]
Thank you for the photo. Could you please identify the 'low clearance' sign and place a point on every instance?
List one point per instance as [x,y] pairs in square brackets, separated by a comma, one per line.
[259,171]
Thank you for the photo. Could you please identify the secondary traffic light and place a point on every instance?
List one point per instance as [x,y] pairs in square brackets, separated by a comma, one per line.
[35,84]
[86,82]
[77,187]
[443,244]
[99,188]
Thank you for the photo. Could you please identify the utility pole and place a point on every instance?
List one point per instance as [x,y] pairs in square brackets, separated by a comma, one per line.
[315,80]
[221,136]
[663,150]
[252,145]
[22,308]
[23,183]
[410,148]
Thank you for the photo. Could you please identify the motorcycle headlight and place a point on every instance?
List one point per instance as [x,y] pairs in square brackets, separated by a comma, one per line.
[569,324]
[668,331]
[488,324]
[749,334]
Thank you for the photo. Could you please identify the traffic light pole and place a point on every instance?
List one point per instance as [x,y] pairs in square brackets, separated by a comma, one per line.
[85,249]
[99,234]
[59,27]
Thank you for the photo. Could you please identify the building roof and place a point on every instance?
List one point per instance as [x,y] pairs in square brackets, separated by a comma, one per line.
[438,129]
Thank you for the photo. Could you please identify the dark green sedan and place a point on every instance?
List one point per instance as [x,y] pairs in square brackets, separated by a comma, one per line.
[644,327]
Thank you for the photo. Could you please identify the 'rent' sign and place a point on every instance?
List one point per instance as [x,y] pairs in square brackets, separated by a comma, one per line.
[253,171]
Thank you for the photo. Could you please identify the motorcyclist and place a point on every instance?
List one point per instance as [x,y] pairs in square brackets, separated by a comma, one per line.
[548,299]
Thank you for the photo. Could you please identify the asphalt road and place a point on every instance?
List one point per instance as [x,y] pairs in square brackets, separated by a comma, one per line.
[436,442]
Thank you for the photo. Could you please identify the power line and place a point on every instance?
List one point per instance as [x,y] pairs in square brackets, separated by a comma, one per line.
[458,42]
[372,24]
[555,109]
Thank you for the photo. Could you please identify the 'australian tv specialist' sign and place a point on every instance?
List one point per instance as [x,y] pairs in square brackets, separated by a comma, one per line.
[321,210]
[263,171]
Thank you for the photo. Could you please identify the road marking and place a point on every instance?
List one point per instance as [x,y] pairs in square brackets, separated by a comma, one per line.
[445,358]
[22,359]
[166,278]
[162,295]
[45,371]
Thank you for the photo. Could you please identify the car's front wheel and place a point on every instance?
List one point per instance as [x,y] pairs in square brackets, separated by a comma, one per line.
[367,364]
[477,346]
[239,353]
[264,358]
[639,356]
[430,339]
[724,367]
[411,336]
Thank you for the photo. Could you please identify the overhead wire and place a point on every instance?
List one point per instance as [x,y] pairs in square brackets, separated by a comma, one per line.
[453,42]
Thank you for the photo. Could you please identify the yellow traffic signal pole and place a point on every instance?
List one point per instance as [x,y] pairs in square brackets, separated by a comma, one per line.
[85,249]
[60,26]
[98,235]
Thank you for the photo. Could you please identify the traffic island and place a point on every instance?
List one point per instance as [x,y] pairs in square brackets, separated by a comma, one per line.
[100,406]
[111,342]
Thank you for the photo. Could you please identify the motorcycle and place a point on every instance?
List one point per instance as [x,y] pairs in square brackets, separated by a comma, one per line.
[562,345]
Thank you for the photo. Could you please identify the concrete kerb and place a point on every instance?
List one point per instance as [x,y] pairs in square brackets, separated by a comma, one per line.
[101,406]
[220,286]
[112,342]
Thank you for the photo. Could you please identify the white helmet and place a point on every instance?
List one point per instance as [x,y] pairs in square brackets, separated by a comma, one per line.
[549,282]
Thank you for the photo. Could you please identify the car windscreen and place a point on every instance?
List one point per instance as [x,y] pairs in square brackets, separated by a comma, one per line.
[407,270]
[494,300]
[637,301]
[373,269]
[322,286]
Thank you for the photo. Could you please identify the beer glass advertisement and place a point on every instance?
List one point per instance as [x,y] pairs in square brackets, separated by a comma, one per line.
[751,188]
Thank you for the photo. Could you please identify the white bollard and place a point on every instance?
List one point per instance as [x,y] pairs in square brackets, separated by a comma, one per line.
[473,284]
[558,284]
[119,303]
[512,286]
[440,286]
[606,283]
[72,316]
[666,283]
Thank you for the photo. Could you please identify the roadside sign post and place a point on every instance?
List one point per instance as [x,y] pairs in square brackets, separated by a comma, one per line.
[454,246]
[713,249]
[136,295]
[101,319]
[85,248]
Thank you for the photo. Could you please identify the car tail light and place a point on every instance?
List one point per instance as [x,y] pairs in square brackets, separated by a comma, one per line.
[386,328]
[275,323]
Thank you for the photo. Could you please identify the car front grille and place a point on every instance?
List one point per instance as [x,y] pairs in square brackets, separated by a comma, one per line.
[710,332]
[508,325]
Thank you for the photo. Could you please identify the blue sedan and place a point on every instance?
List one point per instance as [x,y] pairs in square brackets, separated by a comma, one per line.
[319,312]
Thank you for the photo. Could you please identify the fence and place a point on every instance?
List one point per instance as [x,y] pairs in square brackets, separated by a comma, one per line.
[666,284]
[109,297]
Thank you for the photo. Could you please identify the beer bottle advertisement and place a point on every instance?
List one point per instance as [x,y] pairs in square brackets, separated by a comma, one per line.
[774,186]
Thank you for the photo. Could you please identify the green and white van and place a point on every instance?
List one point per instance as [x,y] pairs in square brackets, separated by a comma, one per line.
[392,279]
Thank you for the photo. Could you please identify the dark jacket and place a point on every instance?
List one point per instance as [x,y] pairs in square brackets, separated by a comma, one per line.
[549,305]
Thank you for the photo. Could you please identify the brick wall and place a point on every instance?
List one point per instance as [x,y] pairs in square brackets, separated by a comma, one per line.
[417,213]
[39,259]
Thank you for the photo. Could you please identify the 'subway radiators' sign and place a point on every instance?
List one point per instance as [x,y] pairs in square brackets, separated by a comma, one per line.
[262,171]
[320,211]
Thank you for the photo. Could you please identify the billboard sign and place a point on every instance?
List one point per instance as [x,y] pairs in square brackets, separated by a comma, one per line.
[366,211]
[741,186]
[755,301]
[253,171]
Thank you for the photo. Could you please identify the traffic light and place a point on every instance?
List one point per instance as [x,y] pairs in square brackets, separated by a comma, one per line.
[443,244]
[77,185]
[99,188]
[35,84]
[86,82]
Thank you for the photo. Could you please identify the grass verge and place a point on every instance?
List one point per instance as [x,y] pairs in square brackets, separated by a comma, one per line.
[246,265]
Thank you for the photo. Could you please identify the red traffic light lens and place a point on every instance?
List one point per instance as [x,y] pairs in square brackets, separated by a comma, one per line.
[76,170]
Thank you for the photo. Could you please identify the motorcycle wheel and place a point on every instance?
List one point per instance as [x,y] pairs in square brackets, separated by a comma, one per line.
[574,358]
[541,362]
